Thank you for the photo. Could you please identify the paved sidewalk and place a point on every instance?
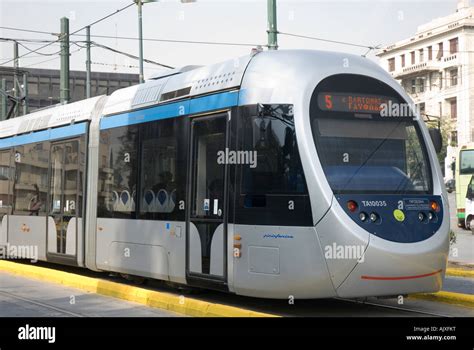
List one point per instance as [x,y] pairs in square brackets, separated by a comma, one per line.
[24,297]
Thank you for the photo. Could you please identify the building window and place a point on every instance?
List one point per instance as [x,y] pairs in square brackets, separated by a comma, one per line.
[430,53]
[403,60]
[453,77]
[440,51]
[113,85]
[391,64]
[412,54]
[78,93]
[422,109]
[454,108]
[55,90]
[103,87]
[454,138]
[421,84]
[32,88]
[422,55]
[44,87]
[413,86]
[453,46]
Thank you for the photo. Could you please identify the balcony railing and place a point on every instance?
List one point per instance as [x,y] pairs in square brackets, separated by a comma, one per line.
[414,69]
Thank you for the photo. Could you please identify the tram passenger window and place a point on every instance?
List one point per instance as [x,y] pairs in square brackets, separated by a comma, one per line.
[272,186]
[161,170]
[30,183]
[277,168]
[82,170]
[117,175]
[6,177]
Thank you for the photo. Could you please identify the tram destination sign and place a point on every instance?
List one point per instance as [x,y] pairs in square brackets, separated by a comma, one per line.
[356,103]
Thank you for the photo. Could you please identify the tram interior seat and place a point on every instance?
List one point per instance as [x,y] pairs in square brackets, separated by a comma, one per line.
[162,201]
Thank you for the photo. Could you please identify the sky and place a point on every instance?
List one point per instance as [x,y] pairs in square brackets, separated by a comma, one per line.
[368,22]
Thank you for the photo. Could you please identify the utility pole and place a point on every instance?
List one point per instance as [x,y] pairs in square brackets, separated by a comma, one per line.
[140,40]
[64,74]
[16,85]
[3,99]
[25,93]
[88,62]
[272,25]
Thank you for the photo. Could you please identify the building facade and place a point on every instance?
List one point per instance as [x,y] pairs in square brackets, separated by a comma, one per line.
[43,84]
[436,68]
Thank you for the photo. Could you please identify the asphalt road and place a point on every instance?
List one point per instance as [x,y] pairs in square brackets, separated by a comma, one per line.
[461,252]
[24,297]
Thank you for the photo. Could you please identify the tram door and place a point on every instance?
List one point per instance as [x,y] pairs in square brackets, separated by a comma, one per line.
[207,210]
[63,198]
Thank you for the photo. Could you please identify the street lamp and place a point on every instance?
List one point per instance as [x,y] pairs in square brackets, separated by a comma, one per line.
[140,3]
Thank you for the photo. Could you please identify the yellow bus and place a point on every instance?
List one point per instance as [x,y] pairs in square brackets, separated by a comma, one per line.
[464,171]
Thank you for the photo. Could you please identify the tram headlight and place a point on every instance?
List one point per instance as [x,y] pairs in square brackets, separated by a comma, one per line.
[421,216]
[362,216]
[352,206]
[432,216]
[374,217]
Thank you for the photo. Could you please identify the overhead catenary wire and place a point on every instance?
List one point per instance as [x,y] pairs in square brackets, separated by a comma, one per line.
[375,47]
[48,60]
[129,55]
[78,44]
[30,50]
[68,35]
[121,65]
[328,40]
[179,41]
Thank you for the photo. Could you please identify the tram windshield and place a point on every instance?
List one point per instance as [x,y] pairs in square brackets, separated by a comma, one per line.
[367,153]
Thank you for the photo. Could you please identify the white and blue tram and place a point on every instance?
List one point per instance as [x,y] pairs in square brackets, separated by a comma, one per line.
[262,176]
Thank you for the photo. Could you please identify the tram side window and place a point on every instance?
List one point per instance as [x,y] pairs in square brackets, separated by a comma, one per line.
[30,184]
[163,171]
[271,181]
[82,169]
[274,163]
[117,172]
[6,177]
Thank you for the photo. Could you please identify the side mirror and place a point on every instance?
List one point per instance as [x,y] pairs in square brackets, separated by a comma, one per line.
[437,139]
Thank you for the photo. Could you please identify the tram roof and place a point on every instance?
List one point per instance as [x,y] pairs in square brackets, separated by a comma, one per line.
[179,83]
[50,117]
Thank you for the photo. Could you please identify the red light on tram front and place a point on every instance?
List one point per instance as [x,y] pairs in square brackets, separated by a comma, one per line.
[434,206]
[352,206]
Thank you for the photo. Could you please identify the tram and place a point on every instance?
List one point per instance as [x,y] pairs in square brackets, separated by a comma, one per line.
[272,175]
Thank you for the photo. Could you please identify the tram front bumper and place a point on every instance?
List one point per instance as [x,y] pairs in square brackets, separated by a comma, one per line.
[390,268]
